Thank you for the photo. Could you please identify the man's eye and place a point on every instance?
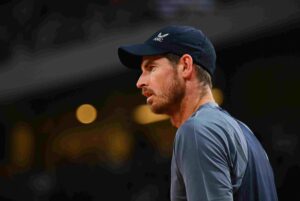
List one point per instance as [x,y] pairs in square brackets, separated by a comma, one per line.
[151,68]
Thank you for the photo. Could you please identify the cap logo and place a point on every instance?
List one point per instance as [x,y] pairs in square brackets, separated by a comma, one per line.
[160,37]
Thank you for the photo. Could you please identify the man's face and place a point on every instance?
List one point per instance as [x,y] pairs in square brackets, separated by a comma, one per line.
[161,84]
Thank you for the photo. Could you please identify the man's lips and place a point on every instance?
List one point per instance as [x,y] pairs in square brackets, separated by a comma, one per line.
[147,93]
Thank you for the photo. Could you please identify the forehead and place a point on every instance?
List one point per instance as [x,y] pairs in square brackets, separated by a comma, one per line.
[147,60]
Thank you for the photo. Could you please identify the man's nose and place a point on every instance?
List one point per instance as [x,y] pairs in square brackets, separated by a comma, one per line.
[141,81]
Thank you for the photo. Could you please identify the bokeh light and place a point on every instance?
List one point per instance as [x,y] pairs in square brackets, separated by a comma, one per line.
[143,115]
[86,113]
[218,95]
[22,145]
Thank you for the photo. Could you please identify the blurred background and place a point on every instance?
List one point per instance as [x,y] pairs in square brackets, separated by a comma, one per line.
[73,126]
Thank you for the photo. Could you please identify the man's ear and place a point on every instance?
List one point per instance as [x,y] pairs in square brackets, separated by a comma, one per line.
[186,63]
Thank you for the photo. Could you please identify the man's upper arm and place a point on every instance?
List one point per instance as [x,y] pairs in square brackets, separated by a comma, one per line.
[201,155]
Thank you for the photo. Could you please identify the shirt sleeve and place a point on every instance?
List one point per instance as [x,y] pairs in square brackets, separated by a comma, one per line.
[200,169]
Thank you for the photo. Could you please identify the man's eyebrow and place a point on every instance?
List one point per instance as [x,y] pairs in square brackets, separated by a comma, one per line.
[148,63]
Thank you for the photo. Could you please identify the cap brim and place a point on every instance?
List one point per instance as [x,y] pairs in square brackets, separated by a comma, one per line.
[131,55]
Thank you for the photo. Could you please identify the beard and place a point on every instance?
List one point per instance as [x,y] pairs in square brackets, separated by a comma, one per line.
[170,98]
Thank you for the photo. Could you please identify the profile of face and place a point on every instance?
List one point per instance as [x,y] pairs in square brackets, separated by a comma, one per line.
[160,84]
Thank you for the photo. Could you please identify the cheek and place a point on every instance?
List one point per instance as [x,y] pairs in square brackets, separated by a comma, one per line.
[157,83]
[166,86]
[161,82]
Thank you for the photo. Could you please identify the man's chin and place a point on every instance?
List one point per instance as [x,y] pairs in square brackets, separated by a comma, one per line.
[157,110]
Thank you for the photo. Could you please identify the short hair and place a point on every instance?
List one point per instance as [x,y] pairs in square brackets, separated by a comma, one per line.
[202,74]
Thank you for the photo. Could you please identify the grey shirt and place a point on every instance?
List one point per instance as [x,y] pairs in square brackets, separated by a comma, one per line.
[209,157]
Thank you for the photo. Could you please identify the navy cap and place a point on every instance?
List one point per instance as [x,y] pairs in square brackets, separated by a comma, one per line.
[178,40]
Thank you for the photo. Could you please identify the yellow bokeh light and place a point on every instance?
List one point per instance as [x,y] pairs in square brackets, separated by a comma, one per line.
[86,113]
[22,145]
[118,145]
[144,115]
[218,95]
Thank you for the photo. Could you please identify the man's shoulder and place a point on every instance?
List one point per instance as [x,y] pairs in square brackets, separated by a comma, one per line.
[204,127]
[211,114]
[210,121]
[211,117]
[202,122]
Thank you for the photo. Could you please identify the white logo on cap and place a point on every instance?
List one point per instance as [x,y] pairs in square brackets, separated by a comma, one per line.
[160,37]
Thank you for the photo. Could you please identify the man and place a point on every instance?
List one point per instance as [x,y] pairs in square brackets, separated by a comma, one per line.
[215,156]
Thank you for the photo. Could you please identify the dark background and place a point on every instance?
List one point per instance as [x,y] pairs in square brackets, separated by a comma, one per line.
[56,55]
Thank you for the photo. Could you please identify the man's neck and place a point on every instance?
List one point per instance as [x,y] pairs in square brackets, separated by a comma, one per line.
[188,106]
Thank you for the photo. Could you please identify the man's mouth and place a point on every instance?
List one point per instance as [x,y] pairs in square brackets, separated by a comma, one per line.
[148,94]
